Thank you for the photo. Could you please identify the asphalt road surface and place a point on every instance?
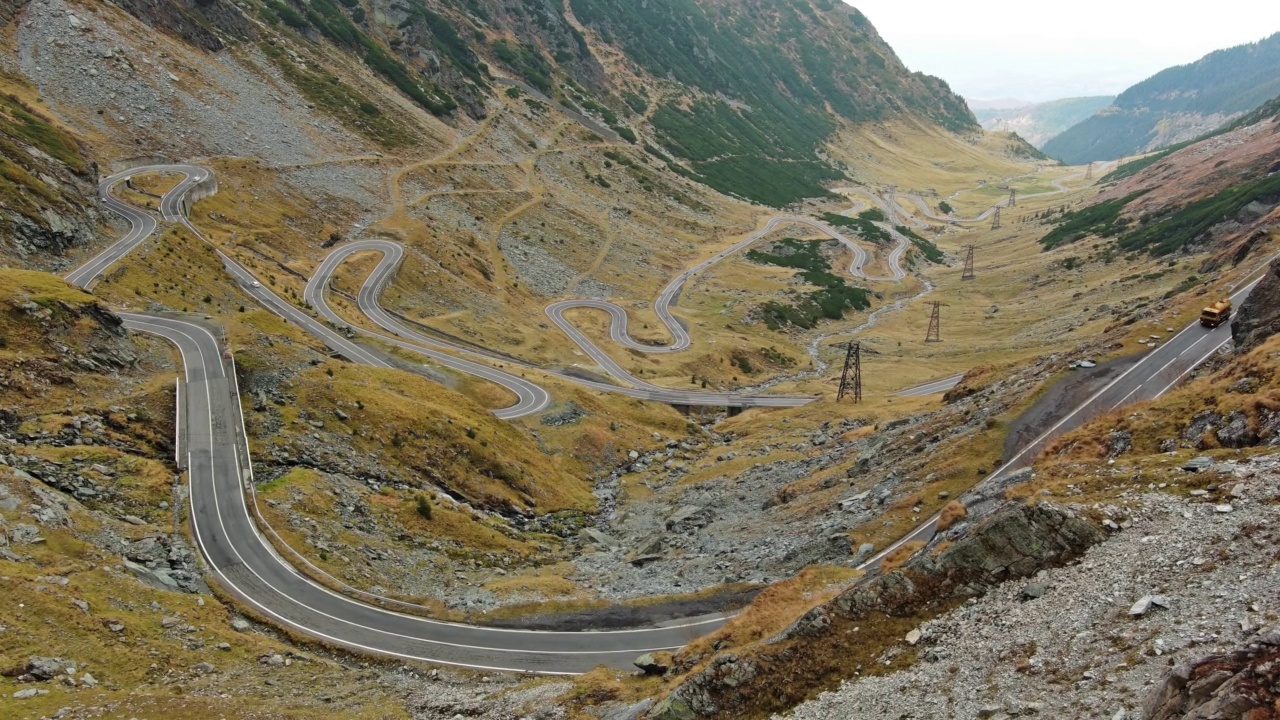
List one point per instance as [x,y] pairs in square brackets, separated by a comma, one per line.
[671,293]
[532,397]
[245,565]
[1159,370]
[935,386]
[142,223]
[242,561]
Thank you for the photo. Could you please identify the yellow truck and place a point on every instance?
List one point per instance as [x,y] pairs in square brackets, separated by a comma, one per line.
[1216,314]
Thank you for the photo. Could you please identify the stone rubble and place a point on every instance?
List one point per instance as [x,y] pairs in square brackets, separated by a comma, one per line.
[1084,649]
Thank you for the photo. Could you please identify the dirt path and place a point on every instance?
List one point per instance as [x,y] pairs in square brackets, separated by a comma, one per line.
[605,247]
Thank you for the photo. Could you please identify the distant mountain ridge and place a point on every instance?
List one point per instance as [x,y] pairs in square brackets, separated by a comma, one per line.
[1039,122]
[1176,104]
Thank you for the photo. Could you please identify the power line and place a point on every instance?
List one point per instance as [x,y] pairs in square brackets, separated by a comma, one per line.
[852,362]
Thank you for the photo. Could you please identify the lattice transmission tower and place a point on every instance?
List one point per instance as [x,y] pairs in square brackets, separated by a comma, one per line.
[968,265]
[851,378]
[934,333]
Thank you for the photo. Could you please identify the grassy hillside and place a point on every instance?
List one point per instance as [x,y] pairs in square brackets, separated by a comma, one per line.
[1176,104]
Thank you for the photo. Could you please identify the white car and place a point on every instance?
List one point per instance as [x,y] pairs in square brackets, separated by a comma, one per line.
[255,283]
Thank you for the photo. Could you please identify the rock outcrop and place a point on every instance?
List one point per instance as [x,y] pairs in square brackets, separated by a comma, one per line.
[1015,542]
[1244,683]
[1259,316]
[199,22]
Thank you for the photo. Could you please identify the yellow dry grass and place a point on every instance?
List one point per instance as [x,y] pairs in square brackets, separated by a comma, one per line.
[954,512]
[900,556]
[412,421]
[41,620]
[776,607]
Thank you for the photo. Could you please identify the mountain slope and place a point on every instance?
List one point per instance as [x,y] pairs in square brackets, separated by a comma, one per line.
[1219,195]
[740,96]
[1042,121]
[770,80]
[1176,104]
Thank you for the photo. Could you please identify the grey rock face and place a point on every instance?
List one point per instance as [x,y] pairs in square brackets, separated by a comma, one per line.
[1014,542]
[1229,685]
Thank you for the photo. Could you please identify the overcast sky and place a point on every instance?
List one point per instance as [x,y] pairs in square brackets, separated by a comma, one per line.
[1044,50]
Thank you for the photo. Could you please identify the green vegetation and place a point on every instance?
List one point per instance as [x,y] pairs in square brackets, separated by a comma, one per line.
[22,188]
[866,230]
[637,104]
[1133,167]
[649,183]
[777,70]
[926,247]
[831,299]
[344,103]
[1230,81]
[873,215]
[526,60]
[424,507]
[334,24]
[25,124]
[743,155]
[1177,229]
[945,207]
[1168,232]
[448,42]
[1101,219]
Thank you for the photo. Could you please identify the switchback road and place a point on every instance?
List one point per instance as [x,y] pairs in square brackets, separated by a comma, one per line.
[221,474]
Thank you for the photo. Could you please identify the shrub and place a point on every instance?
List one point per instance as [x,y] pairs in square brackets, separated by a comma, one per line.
[424,507]
[900,556]
[951,514]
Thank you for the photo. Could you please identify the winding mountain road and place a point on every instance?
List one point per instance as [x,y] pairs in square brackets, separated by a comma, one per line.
[671,293]
[244,564]
[141,223]
[249,568]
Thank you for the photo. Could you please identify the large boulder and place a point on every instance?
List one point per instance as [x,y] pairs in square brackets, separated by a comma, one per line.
[1244,683]
[1259,315]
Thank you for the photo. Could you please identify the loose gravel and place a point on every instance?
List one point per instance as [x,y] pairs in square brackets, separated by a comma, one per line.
[1077,651]
[129,84]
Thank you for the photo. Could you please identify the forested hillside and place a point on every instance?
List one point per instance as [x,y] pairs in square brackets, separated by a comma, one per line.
[1176,104]
[766,72]
[738,95]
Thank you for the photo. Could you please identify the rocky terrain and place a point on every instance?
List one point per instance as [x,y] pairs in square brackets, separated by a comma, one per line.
[1256,320]
[1183,576]
[818,489]
[524,150]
